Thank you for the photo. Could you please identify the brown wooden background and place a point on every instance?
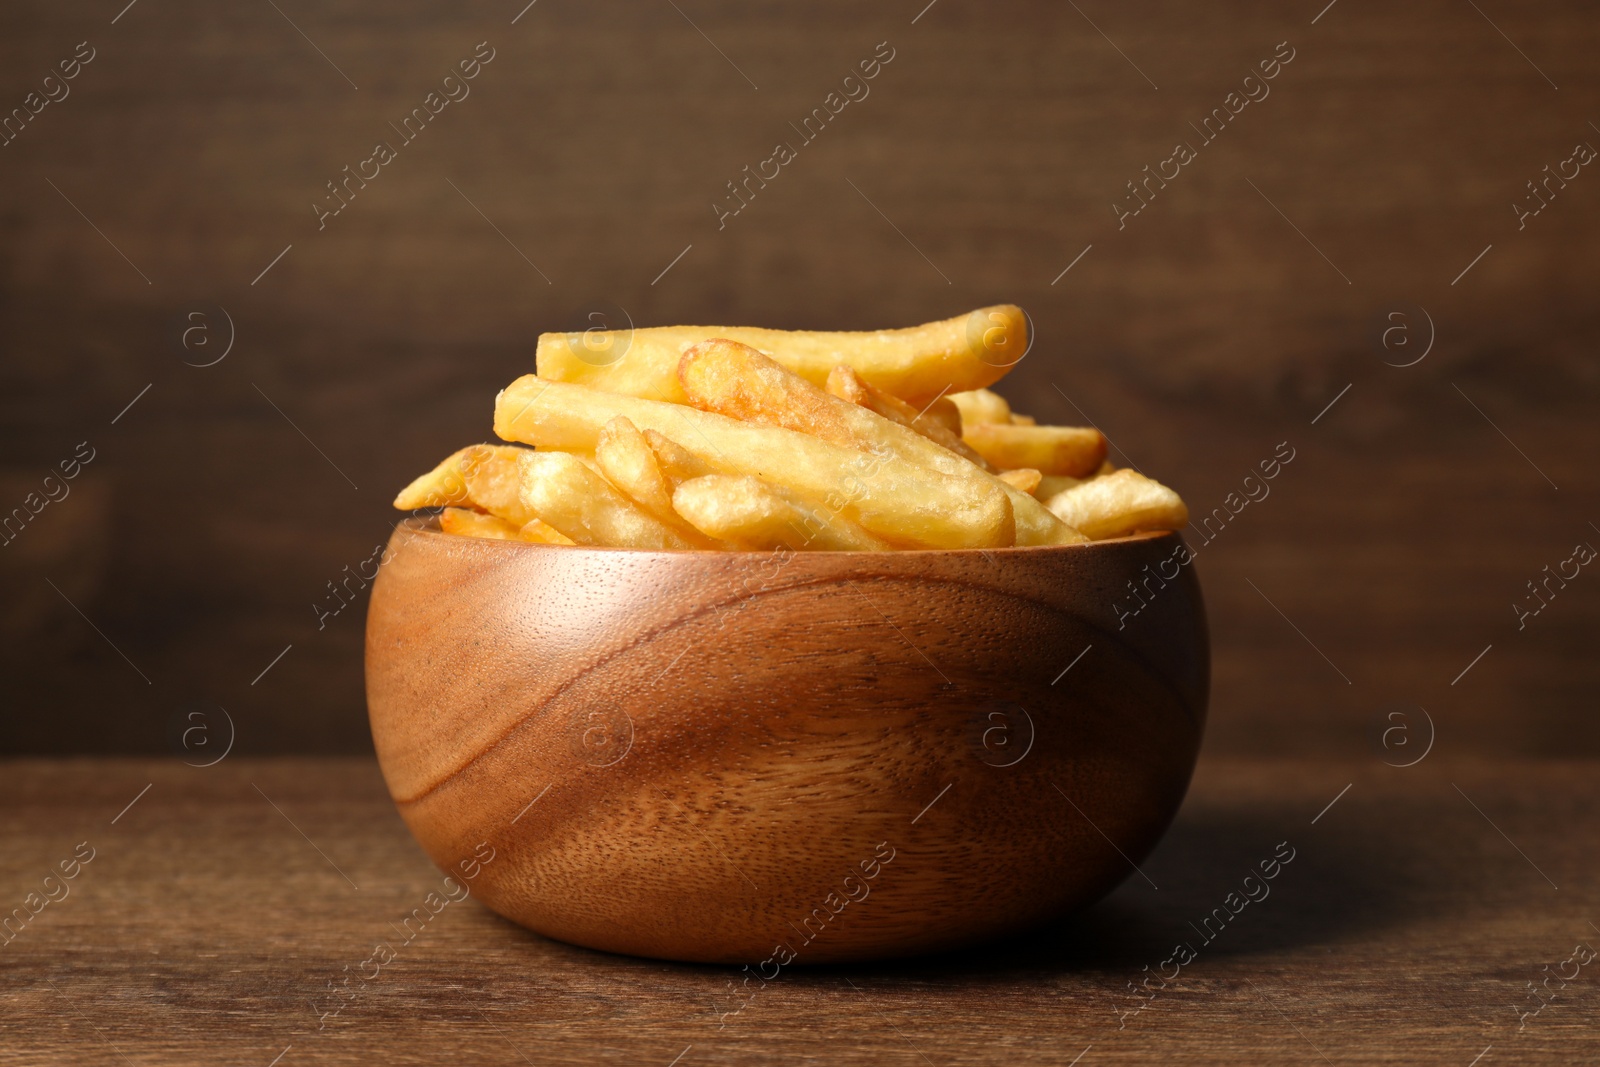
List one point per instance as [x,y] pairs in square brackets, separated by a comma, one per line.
[1198,338]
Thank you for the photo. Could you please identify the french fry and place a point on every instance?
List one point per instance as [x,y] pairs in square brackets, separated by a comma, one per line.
[944,412]
[482,476]
[916,363]
[476,524]
[896,500]
[1119,503]
[691,437]
[1025,480]
[677,463]
[752,514]
[846,384]
[735,380]
[544,533]
[1071,450]
[626,459]
[565,493]
[1032,526]
[981,405]
[493,474]
[471,523]
[441,487]
[1051,484]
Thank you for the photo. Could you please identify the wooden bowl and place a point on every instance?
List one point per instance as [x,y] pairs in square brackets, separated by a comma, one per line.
[776,758]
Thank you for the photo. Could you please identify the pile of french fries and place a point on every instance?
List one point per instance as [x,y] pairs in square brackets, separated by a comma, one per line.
[748,439]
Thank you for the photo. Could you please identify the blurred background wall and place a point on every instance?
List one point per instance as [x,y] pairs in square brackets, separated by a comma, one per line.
[1357,211]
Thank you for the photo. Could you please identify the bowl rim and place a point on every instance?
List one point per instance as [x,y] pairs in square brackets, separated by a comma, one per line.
[428,523]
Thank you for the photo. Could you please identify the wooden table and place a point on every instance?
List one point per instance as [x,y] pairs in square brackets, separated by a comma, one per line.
[221,904]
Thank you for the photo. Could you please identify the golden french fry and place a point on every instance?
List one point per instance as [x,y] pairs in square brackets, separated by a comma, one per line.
[916,363]
[1119,503]
[1071,450]
[735,380]
[564,492]
[1051,484]
[482,476]
[846,384]
[944,412]
[1033,530]
[753,514]
[493,474]
[471,523]
[441,487]
[544,533]
[476,524]
[677,463]
[626,459]
[725,437]
[894,499]
[1025,480]
[981,405]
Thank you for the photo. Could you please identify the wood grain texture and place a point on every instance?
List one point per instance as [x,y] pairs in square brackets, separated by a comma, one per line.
[727,757]
[207,930]
[1198,337]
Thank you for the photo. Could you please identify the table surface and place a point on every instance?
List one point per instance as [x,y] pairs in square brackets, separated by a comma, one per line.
[220,907]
